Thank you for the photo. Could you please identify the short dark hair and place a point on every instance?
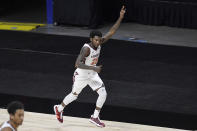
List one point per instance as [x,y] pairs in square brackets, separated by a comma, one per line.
[95,33]
[13,106]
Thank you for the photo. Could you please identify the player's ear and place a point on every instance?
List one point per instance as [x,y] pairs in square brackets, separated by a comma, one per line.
[91,39]
[11,116]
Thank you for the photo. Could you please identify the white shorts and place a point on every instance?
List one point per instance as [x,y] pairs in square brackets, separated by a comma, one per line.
[82,78]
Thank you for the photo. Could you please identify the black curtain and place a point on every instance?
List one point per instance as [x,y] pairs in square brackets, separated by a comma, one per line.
[174,13]
[78,12]
[96,10]
[92,13]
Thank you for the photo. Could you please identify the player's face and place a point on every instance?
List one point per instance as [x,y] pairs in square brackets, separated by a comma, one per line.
[96,41]
[18,117]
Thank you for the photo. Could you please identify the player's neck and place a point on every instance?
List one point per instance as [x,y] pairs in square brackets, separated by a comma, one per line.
[13,124]
[91,45]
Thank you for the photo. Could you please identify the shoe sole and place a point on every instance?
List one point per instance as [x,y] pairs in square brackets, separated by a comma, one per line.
[95,123]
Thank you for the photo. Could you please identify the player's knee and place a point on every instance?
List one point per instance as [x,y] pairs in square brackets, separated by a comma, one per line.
[102,92]
[101,98]
[69,98]
[74,95]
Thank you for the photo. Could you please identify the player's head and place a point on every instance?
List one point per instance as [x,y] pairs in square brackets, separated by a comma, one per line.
[96,37]
[16,111]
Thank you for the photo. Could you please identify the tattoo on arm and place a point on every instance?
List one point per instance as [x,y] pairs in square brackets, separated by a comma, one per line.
[112,30]
[115,26]
[80,62]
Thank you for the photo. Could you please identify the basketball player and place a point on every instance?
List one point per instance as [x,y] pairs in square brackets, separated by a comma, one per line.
[16,112]
[87,73]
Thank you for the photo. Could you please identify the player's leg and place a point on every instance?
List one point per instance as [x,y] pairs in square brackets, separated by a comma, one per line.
[102,95]
[78,85]
[97,85]
[67,100]
[58,109]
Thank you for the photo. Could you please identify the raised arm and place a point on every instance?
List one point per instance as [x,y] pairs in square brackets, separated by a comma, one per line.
[80,62]
[115,26]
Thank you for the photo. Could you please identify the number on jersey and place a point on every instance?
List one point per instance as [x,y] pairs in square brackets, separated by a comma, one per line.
[94,61]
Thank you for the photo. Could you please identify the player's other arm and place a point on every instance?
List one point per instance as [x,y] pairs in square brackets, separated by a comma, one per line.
[114,28]
[80,62]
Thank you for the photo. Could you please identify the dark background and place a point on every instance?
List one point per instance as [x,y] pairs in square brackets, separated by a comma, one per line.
[146,83]
[95,13]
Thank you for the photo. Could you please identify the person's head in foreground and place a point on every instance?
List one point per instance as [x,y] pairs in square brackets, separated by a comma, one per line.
[16,112]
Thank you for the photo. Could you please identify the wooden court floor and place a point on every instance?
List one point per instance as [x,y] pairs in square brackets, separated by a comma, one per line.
[47,122]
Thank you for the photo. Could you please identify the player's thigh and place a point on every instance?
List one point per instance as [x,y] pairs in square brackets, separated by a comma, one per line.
[96,82]
[78,86]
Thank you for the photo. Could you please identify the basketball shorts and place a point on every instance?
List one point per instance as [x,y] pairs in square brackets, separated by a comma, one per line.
[82,78]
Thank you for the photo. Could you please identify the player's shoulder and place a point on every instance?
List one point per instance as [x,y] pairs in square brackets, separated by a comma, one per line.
[6,129]
[85,50]
[87,45]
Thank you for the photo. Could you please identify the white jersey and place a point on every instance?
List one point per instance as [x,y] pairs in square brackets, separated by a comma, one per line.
[6,124]
[84,77]
[93,57]
[90,60]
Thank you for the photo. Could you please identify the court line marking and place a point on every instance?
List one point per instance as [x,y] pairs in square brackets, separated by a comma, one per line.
[33,51]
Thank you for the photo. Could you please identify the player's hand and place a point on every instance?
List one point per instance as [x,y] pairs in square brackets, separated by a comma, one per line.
[98,68]
[122,11]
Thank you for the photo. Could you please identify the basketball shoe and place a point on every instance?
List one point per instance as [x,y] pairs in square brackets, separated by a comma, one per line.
[96,121]
[59,115]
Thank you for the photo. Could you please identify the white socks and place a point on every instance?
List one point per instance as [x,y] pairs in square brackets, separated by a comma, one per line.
[96,113]
[60,108]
